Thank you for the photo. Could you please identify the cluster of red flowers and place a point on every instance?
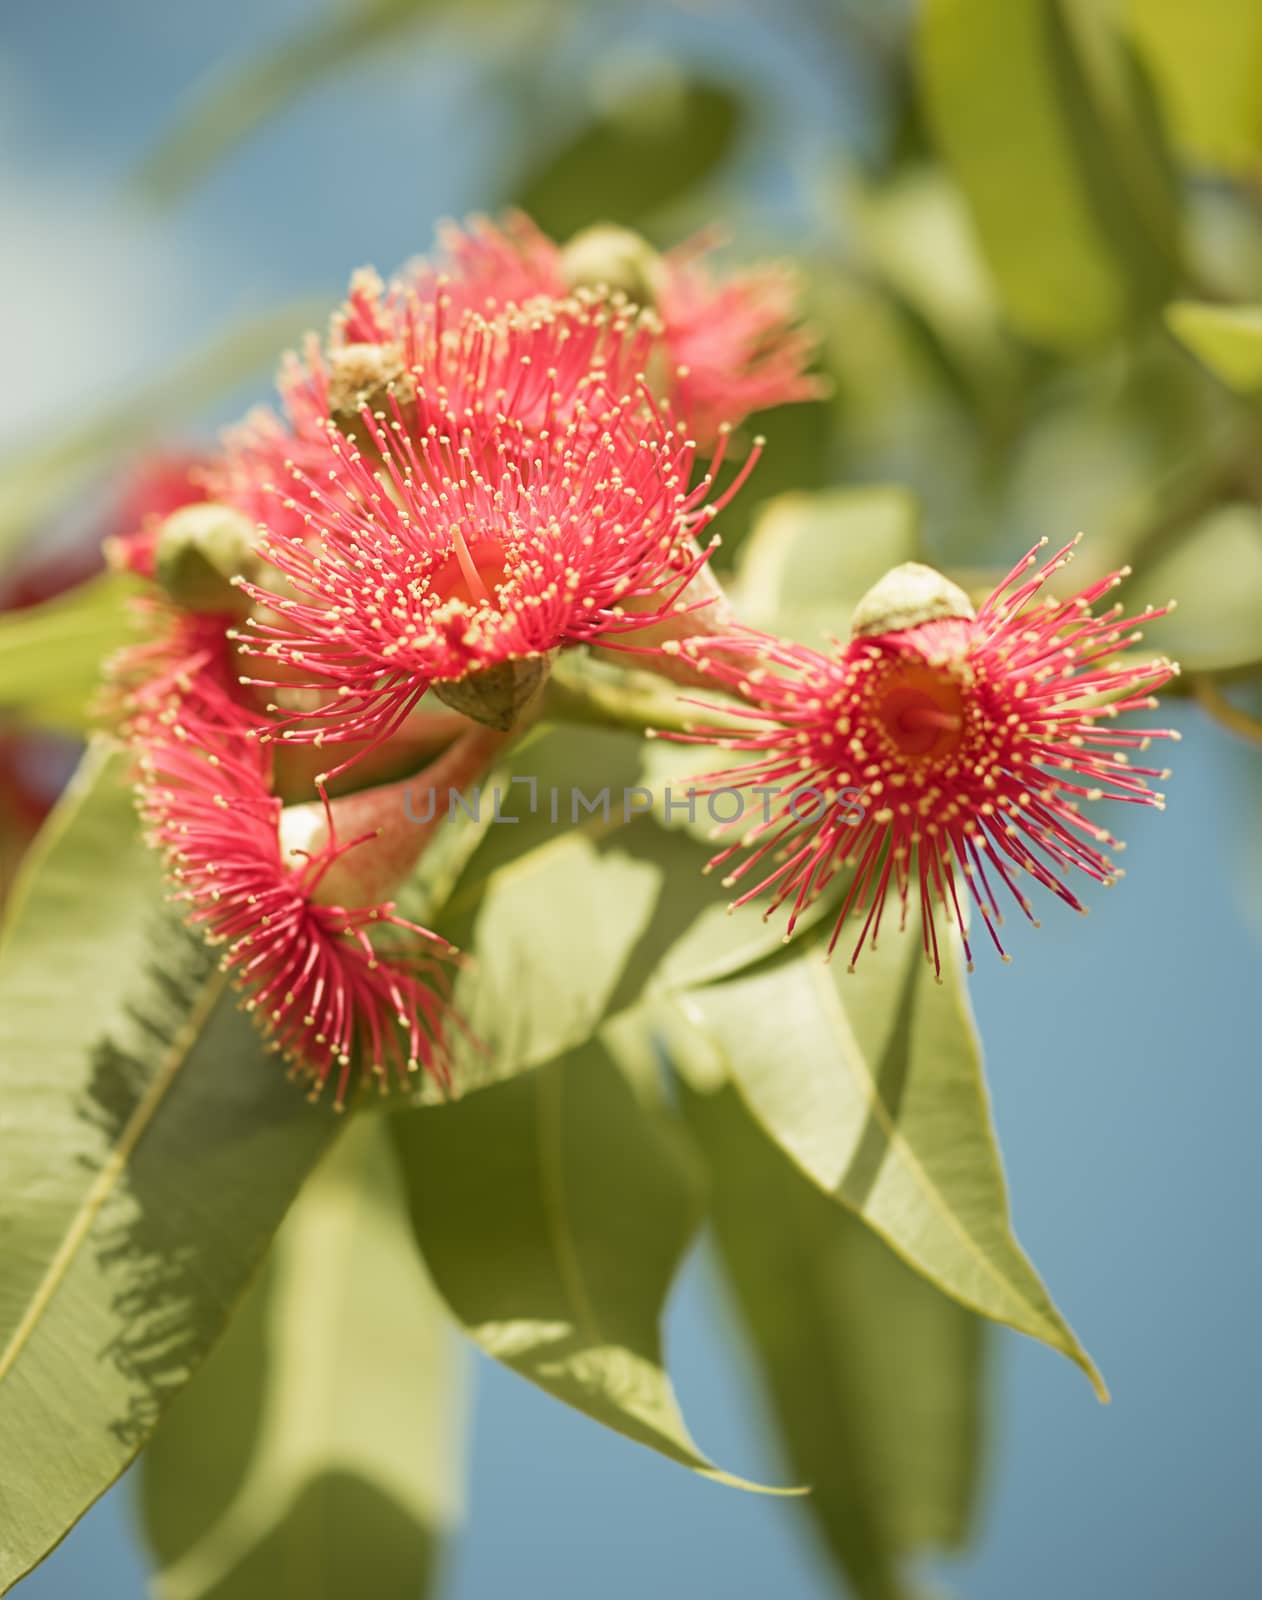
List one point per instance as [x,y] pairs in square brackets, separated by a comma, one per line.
[511,452]
[488,460]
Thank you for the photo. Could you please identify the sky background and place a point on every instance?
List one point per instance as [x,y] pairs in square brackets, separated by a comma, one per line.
[1122,1048]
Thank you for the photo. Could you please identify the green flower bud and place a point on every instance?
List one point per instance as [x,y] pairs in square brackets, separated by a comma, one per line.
[497,695]
[608,257]
[201,549]
[367,376]
[904,598]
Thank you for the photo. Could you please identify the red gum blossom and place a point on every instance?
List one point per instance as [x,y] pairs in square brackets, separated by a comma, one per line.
[446,551]
[309,969]
[971,740]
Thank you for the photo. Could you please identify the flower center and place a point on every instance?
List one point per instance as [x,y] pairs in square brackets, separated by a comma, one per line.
[472,573]
[922,711]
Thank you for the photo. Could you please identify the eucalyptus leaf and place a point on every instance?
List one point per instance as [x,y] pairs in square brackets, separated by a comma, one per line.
[1215,574]
[812,556]
[577,903]
[871,1082]
[552,1213]
[1207,60]
[875,1378]
[320,1441]
[637,158]
[1228,339]
[801,451]
[1046,125]
[150,1147]
[51,654]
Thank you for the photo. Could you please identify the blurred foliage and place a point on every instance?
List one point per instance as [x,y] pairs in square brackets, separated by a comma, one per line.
[645,152]
[1040,98]
[271,1473]
[1228,339]
[1207,59]
[51,654]
[811,557]
[874,1376]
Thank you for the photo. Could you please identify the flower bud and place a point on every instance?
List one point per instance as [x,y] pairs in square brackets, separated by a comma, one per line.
[495,696]
[904,598]
[370,377]
[608,257]
[200,550]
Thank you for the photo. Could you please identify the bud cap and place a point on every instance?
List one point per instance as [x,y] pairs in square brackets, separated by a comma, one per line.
[497,695]
[366,377]
[904,598]
[201,549]
[605,256]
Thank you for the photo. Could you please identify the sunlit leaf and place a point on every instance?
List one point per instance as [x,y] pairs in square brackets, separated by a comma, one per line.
[801,452]
[634,160]
[811,557]
[1047,127]
[1228,339]
[1215,574]
[873,1375]
[319,1443]
[1207,59]
[571,910]
[871,1082]
[149,1147]
[552,1213]
[914,233]
[51,654]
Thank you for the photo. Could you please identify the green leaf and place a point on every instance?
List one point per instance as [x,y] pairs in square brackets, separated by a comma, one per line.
[38,476]
[553,1212]
[1215,574]
[1039,111]
[874,1377]
[871,1082]
[1228,339]
[811,557]
[51,654]
[1207,60]
[149,1146]
[635,160]
[916,241]
[801,451]
[569,919]
[320,1440]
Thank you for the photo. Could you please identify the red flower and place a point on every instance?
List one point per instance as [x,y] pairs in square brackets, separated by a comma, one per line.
[733,345]
[430,357]
[936,744]
[726,346]
[296,934]
[551,509]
